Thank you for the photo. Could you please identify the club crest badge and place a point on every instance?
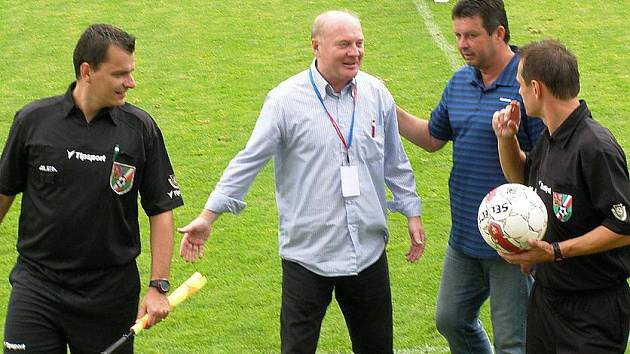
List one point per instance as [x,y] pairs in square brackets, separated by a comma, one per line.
[562,206]
[121,178]
[619,211]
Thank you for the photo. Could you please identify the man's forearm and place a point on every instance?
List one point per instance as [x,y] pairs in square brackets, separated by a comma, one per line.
[512,160]
[161,244]
[5,205]
[417,131]
[597,240]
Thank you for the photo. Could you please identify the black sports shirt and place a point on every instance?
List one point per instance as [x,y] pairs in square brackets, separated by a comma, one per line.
[581,174]
[79,204]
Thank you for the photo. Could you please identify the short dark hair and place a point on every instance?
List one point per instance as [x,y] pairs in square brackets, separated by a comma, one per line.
[492,12]
[551,63]
[94,42]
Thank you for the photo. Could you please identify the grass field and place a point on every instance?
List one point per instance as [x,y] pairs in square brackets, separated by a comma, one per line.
[203,69]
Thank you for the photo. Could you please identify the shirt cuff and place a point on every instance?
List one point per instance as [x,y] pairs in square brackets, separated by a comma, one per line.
[220,203]
[408,207]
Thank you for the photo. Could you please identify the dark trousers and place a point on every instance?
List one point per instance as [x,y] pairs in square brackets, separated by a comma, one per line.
[364,299]
[49,311]
[581,322]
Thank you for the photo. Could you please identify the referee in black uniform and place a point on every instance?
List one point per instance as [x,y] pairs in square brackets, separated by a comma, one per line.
[80,160]
[580,302]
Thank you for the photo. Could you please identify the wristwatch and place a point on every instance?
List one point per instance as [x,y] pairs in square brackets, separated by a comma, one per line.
[162,285]
[557,255]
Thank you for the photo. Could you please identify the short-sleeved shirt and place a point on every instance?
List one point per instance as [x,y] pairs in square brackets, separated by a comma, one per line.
[581,174]
[464,115]
[80,196]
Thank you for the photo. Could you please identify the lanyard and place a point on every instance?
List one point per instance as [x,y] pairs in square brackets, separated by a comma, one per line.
[332,120]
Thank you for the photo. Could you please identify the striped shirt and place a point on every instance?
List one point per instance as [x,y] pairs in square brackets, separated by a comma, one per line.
[464,115]
[318,228]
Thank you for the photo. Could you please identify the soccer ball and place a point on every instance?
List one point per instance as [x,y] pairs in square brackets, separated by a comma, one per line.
[509,215]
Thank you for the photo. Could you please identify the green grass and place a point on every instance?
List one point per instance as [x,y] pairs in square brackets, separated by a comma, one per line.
[203,69]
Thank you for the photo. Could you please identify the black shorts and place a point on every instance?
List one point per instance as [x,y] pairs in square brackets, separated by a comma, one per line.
[49,312]
[581,322]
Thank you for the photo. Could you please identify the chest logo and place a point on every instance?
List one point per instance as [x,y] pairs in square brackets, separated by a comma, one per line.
[562,206]
[619,211]
[121,178]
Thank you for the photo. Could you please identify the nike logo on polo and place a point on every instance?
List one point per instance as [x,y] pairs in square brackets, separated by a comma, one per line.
[85,157]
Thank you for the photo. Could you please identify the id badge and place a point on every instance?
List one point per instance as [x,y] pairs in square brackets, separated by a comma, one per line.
[349,181]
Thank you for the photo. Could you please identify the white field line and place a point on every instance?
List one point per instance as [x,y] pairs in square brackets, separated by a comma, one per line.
[449,51]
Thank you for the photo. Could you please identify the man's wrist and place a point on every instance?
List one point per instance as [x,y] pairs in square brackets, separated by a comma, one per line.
[557,253]
[161,285]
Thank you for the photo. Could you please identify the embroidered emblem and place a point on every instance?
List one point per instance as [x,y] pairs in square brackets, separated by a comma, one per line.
[619,211]
[562,206]
[121,179]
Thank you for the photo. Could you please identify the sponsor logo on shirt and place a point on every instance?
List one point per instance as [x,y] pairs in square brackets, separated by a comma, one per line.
[174,193]
[619,211]
[544,187]
[47,168]
[14,346]
[85,157]
[173,182]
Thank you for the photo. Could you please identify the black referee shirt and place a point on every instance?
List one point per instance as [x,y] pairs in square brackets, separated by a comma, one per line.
[79,204]
[581,174]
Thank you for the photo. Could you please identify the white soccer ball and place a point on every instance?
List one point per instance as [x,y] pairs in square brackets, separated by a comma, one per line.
[509,215]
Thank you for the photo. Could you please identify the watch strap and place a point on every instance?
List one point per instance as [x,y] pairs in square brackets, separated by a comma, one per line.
[557,255]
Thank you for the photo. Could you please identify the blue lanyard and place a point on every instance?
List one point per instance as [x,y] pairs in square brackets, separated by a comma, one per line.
[332,120]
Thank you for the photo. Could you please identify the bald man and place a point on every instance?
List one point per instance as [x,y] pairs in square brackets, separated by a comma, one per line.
[332,132]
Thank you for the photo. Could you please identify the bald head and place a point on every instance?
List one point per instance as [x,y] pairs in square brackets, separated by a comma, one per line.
[330,19]
[337,42]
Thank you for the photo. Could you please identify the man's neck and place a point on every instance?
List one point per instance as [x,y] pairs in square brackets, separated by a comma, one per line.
[336,86]
[502,59]
[81,100]
[556,111]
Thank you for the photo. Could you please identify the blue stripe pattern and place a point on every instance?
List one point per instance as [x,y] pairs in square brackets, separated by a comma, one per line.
[464,116]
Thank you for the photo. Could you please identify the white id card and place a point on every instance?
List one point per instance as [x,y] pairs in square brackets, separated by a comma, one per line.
[349,181]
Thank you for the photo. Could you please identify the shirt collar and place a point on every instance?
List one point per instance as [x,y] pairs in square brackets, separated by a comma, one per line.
[323,86]
[505,78]
[70,106]
[565,131]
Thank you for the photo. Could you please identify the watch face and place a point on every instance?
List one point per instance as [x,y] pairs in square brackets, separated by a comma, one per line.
[162,285]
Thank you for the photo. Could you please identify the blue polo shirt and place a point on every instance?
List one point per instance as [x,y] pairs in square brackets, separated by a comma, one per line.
[464,115]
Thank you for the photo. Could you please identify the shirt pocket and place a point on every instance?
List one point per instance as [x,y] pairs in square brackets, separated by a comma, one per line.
[46,168]
[371,143]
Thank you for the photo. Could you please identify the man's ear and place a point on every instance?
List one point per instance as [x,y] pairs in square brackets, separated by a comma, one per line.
[315,46]
[85,72]
[537,87]
[500,31]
